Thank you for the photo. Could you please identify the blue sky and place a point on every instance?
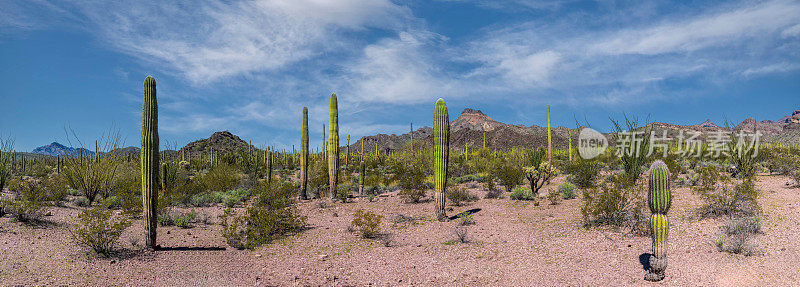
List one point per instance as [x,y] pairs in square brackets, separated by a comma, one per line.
[250,66]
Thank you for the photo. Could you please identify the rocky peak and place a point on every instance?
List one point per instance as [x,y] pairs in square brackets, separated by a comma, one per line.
[474,120]
[708,124]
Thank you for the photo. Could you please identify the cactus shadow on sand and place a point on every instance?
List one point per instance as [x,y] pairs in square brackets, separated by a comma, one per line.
[465,213]
[184,248]
[644,259]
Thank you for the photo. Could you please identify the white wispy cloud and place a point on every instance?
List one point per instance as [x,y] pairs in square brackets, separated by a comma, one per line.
[211,40]
[703,31]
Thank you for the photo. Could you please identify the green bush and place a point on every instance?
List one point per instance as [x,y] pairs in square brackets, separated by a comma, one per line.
[221,177]
[584,172]
[465,218]
[616,204]
[273,214]
[185,219]
[510,174]
[522,194]
[410,180]
[29,203]
[726,196]
[98,231]
[368,224]
[458,195]
[567,190]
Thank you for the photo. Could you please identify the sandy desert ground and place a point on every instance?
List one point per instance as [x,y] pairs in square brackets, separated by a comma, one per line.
[511,243]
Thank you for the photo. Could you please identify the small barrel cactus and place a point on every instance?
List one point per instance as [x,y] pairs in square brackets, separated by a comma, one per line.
[659,200]
[441,153]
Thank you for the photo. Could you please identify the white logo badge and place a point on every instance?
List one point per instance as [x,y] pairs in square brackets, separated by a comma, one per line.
[591,143]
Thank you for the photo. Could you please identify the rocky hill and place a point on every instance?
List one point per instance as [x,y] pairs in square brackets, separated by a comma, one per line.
[222,142]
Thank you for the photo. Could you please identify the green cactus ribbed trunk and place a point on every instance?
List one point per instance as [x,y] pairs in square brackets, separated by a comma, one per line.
[362,172]
[304,157]
[412,137]
[268,159]
[659,199]
[549,140]
[347,152]
[333,146]
[569,133]
[324,145]
[441,152]
[150,161]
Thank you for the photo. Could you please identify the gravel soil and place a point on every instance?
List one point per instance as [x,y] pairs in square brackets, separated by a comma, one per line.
[511,243]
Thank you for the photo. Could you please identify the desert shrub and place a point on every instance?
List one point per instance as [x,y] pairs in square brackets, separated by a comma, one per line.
[29,203]
[724,195]
[166,218]
[6,146]
[491,187]
[554,197]
[460,233]
[674,164]
[584,172]
[537,170]
[273,214]
[522,194]
[368,224]
[410,179]
[185,219]
[737,236]
[94,174]
[616,204]
[81,202]
[465,218]
[458,195]
[98,230]
[54,188]
[510,174]
[318,177]
[633,162]
[567,190]
[221,177]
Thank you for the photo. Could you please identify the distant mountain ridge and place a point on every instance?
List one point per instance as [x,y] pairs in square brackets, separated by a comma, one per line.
[56,149]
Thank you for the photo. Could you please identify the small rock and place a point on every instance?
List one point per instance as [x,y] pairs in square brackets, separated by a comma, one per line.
[49,214]
[323,257]
[335,214]
[113,261]
[168,232]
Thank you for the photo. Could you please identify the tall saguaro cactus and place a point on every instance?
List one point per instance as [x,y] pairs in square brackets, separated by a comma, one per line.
[304,156]
[333,146]
[412,137]
[549,140]
[659,199]
[441,152]
[569,134]
[150,161]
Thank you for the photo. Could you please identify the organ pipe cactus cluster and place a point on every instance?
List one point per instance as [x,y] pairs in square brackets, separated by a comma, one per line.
[150,161]
[441,152]
[304,156]
[333,146]
[659,200]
